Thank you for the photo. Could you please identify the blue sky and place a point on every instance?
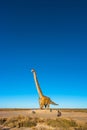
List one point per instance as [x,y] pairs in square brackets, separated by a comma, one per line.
[50,36]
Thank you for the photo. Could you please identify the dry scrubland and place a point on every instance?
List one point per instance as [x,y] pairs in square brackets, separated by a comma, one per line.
[27,119]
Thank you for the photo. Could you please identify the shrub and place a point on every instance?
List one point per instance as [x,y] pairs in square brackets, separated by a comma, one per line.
[82,127]
[2,120]
[20,121]
[61,123]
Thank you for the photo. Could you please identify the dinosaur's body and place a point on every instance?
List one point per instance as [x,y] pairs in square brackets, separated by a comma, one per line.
[44,101]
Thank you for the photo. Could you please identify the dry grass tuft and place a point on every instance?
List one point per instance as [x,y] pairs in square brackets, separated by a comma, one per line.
[41,124]
[82,127]
[62,123]
[2,120]
[20,121]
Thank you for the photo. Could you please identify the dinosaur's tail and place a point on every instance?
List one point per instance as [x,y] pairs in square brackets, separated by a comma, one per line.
[51,102]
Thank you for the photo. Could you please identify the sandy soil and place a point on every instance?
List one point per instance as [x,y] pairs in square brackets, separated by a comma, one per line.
[78,116]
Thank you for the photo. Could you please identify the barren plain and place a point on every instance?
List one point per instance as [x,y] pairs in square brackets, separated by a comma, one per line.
[36,119]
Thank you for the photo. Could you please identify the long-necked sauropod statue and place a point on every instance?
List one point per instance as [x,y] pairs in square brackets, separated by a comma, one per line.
[44,101]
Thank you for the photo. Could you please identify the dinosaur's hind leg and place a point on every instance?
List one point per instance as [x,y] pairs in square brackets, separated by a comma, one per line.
[41,103]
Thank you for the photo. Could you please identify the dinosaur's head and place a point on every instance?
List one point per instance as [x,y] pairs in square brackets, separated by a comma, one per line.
[32,70]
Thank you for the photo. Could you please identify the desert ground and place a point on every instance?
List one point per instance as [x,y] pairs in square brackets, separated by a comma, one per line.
[46,119]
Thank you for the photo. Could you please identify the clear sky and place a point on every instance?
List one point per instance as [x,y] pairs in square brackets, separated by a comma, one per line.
[51,37]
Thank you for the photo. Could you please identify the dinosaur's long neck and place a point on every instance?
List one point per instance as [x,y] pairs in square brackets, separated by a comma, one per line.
[37,85]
